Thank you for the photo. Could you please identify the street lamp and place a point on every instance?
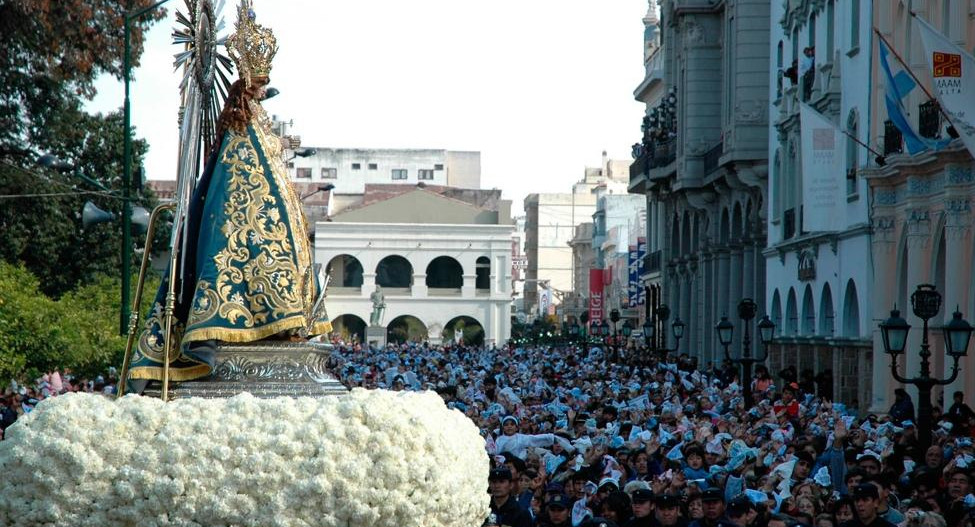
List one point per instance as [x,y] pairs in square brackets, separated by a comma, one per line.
[677,329]
[925,303]
[766,328]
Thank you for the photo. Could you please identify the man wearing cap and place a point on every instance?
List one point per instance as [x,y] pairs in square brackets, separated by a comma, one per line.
[557,511]
[503,504]
[666,511]
[866,501]
[714,509]
[642,508]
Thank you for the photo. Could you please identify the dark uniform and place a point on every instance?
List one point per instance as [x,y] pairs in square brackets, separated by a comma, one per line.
[712,494]
[510,514]
[557,502]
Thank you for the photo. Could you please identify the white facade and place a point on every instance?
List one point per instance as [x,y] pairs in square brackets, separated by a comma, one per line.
[351,169]
[420,244]
[819,284]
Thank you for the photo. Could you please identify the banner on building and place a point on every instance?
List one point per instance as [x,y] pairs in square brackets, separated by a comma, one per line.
[953,72]
[641,255]
[823,172]
[595,294]
[544,302]
[633,282]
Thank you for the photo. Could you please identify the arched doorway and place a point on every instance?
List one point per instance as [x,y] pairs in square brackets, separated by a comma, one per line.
[464,327]
[406,328]
[808,312]
[345,271]
[349,327]
[445,272]
[394,271]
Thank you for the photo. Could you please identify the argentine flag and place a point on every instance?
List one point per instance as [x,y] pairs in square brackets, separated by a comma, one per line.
[899,86]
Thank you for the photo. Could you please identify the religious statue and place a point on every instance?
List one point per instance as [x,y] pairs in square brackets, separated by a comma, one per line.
[378,307]
[246,271]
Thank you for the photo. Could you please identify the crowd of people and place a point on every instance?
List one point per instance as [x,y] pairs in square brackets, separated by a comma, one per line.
[578,439]
[19,398]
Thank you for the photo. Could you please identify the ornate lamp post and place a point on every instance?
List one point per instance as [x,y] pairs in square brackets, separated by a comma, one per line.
[574,332]
[925,303]
[584,320]
[766,329]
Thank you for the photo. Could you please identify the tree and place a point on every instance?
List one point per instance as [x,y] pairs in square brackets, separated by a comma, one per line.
[52,52]
[42,229]
[39,334]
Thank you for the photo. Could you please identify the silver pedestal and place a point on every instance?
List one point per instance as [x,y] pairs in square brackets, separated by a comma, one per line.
[264,369]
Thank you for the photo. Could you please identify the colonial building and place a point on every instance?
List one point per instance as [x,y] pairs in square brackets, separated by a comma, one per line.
[819,283]
[442,262]
[921,206]
[708,163]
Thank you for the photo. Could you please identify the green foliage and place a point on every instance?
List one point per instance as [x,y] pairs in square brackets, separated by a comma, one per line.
[52,52]
[79,331]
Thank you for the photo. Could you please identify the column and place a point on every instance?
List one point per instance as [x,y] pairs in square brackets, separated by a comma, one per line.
[693,319]
[885,258]
[470,280]
[419,289]
[734,294]
[918,272]
[368,286]
[958,270]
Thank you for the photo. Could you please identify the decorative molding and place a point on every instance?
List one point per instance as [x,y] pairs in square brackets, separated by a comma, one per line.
[918,187]
[959,174]
[751,111]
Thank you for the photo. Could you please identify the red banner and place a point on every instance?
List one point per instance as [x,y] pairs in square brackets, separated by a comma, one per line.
[595,294]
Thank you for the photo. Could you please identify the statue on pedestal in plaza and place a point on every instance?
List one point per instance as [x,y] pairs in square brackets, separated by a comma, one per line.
[378,307]
[241,297]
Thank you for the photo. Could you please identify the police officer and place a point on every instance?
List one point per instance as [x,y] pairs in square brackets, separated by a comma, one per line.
[642,508]
[714,510]
[666,511]
[557,510]
[504,506]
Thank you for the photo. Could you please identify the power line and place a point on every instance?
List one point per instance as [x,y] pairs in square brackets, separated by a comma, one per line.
[60,194]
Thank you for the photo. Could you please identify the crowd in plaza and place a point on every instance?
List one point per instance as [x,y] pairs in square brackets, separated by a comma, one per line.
[578,439]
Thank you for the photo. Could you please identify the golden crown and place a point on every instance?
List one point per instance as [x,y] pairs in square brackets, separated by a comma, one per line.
[251,46]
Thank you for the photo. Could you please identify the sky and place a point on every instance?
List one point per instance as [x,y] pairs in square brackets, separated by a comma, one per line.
[540,87]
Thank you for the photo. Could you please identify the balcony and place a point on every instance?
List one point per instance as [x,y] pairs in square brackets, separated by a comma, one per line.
[788,224]
[713,157]
[664,154]
[929,120]
[893,140]
[640,166]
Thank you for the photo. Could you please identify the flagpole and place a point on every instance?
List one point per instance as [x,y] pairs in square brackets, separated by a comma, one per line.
[951,131]
[881,159]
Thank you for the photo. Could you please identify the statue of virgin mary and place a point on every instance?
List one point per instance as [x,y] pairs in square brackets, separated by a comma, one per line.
[247,273]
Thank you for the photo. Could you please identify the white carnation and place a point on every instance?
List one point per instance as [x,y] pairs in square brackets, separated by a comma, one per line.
[372,458]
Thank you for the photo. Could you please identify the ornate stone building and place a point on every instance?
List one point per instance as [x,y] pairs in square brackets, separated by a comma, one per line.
[818,288]
[921,208]
[708,162]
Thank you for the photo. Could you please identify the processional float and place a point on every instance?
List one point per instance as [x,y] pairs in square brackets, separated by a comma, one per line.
[262,368]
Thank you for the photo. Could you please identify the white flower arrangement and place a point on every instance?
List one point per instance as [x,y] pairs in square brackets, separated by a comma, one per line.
[369,458]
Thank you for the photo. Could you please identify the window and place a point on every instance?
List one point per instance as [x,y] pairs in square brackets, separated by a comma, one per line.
[303,172]
[356,166]
[852,162]
[373,166]
[423,174]
[854,24]
[438,167]
[330,173]
[399,173]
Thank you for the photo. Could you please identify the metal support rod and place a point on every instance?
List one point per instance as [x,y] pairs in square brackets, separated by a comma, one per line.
[137,301]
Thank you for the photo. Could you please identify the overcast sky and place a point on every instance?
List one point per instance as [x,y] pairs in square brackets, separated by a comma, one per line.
[539,87]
